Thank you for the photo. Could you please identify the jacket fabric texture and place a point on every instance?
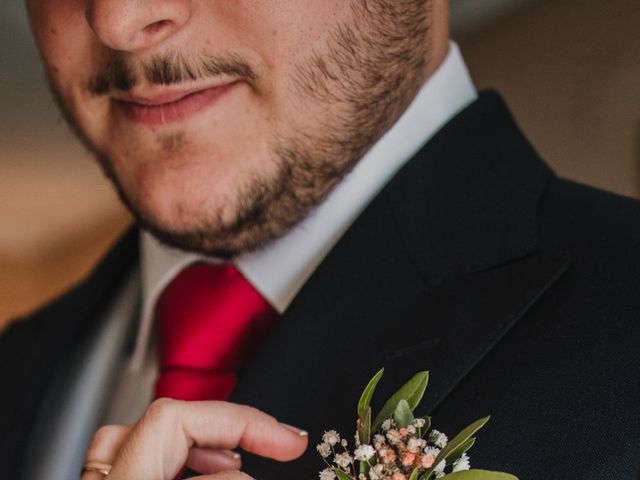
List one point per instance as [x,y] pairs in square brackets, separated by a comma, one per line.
[519,291]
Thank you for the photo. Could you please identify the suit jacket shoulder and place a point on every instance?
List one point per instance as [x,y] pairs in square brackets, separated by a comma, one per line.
[607,223]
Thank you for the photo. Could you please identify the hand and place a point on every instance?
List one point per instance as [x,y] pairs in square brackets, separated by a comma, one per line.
[175,433]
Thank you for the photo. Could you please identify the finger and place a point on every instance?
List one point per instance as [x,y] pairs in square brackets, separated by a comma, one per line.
[224,476]
[104,448]
[158,446]
[213,461]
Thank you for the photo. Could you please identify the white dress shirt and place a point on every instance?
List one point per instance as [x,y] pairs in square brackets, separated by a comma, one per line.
[277,271]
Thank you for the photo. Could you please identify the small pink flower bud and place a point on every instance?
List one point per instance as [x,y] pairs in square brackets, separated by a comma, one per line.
[408,458]
[398,476]
[427,460]
[390,456]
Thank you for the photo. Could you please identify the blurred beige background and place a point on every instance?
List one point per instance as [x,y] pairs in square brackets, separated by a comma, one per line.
[569,69]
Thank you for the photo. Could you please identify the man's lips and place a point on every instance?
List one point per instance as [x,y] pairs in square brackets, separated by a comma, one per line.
[169,107]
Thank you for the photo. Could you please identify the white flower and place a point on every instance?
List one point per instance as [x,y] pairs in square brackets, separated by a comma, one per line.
[324,449]
[364,452]
[376,473]
[432,450]
[462,463]
[419,422]
[378,440]
[439,469]
[373,475]
[331,437]
[415,444]
[411,429]
[343,460]
[394,436]
[357,439]
[387,424]
[327,474]
[439,439]
[344,443]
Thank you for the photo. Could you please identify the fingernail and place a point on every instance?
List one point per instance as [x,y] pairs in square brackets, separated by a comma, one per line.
[297,431]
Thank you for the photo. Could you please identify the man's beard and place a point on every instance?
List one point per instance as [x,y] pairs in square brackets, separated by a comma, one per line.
[370,70]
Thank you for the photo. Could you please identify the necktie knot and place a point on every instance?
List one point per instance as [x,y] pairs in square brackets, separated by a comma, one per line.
[211,321]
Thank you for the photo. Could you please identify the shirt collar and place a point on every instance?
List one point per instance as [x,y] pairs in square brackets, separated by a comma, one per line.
[279,270]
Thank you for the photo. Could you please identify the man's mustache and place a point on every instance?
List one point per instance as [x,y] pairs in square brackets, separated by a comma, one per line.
[121,73]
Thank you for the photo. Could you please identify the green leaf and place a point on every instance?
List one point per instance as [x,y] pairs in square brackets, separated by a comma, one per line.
[460,439]
[479,475]
[364,426]
[414,475]
[367,394]
[343,476]
[364,467]
[427,424]
[426,474]
[455,444]
[403,415]
[457,453]
[412,392]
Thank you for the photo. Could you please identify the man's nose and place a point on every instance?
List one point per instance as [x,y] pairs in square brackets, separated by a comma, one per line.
[134,25]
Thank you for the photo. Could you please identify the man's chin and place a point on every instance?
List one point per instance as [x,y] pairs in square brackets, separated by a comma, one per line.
[211,235]
[207,242]
[188,242]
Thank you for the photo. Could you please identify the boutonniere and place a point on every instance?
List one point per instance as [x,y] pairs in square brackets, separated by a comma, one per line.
[395,445]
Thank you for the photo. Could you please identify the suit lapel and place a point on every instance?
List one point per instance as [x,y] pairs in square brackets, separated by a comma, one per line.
[432,276]
[477,187]
[464,319]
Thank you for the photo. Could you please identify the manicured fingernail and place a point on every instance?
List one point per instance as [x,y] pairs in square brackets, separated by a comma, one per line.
[301,433]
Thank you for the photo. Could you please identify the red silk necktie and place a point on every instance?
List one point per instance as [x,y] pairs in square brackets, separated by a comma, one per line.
[211,321]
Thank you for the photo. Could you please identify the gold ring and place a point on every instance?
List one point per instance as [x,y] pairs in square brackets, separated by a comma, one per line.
[99,467]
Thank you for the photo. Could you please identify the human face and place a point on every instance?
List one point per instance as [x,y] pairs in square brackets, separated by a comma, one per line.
[223,123]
